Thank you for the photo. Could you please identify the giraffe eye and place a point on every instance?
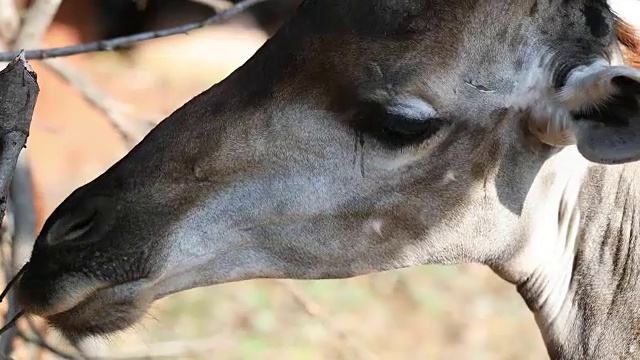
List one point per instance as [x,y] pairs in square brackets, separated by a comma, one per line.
[403,123]
[405,127]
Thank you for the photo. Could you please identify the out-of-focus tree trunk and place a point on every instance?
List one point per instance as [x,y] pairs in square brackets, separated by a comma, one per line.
[18,94]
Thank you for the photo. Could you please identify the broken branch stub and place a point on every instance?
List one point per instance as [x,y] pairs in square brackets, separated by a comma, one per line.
[18,94]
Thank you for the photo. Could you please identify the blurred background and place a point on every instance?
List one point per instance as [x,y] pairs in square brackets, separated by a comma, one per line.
[93,107]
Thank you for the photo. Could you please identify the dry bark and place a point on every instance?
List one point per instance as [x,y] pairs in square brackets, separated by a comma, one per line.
[18,94]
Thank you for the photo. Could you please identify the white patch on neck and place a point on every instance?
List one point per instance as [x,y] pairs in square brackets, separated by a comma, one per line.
[551,222]
[374,228]
[450,176]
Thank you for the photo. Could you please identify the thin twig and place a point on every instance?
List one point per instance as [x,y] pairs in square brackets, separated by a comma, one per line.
[120,42]
[40,341]
[113,110]
[11,323]
[12,282]
[44,345]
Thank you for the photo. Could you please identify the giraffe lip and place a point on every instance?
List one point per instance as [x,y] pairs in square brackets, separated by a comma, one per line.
[54,297]
[119,306]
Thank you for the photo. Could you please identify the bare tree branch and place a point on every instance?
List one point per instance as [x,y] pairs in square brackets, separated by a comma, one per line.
[18,91]
[40,341]
[18,94]
[9,20]
[120,42]
[36,23]
[113,110]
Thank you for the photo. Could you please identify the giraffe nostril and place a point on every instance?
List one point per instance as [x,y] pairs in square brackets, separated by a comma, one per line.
[71,227]
[78,224]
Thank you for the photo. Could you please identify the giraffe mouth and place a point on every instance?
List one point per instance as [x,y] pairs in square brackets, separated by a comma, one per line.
[70,304]
[118,307]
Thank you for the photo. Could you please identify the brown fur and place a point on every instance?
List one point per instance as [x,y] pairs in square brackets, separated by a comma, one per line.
[629,38]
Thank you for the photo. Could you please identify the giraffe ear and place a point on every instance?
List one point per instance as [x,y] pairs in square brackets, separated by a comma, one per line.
[598,110]
[604,105]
